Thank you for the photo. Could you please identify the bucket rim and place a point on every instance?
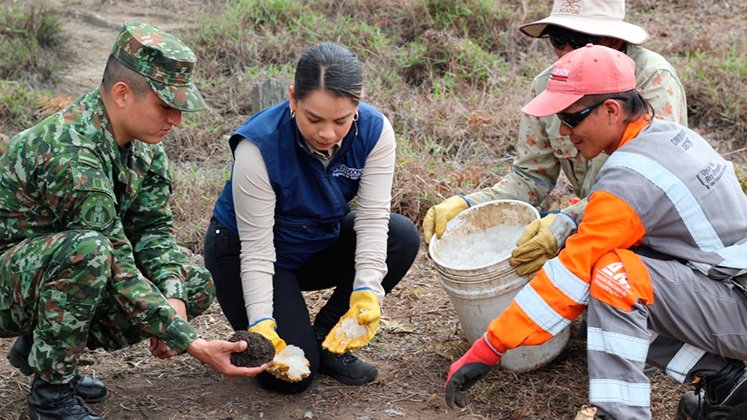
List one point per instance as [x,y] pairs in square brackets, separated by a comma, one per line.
[434,240]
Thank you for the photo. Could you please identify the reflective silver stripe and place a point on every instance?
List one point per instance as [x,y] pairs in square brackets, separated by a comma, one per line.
[495,350]
[567,282]
[702,267]
[631,348]
[616,391]
[682,199]
[539,311]
[734,256]
[682,362]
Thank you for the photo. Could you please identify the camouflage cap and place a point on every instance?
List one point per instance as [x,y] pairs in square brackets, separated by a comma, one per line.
[165,62]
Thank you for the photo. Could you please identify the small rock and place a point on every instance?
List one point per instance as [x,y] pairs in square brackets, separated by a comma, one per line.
[267,93]
[393,412]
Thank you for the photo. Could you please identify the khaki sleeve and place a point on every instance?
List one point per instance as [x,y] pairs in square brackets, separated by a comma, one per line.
[663,90]
[535,169]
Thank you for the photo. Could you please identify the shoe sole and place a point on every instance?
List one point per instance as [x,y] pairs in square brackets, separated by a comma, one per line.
[94,400]
[351,381]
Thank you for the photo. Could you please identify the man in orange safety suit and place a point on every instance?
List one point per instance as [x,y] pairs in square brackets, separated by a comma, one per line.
[658,260]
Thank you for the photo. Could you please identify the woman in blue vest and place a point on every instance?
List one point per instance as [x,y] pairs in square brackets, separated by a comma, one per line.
[284,224]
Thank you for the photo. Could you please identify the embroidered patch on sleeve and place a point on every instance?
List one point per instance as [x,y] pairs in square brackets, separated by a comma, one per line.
[97,211]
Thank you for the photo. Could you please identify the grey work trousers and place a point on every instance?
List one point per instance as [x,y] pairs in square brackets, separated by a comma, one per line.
[694,327]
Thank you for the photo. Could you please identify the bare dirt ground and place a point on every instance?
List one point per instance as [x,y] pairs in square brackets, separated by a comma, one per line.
[418,339]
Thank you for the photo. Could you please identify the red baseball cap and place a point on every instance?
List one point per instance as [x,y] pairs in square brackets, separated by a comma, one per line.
[589,70]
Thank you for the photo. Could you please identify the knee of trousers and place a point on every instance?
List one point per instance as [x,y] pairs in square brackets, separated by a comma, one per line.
[200,289]
[87,250]
[620,279]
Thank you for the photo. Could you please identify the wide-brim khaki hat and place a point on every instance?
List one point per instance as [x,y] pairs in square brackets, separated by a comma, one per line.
[593,17]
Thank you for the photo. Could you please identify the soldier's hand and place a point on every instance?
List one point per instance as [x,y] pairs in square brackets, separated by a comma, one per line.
[159,349]
[217,354]
[180,307]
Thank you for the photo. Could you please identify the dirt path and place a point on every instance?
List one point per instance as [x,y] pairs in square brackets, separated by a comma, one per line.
[92,27]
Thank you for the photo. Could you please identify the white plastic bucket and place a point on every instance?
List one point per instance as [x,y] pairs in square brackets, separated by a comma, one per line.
[480,294]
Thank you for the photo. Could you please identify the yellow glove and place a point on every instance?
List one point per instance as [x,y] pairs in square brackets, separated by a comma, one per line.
[541,240]
[290,365]
[364,315]
[280,370]
[439,215]
[266,328]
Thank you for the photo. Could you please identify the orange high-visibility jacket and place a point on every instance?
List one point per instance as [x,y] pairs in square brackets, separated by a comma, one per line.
[664,188]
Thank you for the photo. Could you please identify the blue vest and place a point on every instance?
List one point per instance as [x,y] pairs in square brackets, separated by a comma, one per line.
[310,200]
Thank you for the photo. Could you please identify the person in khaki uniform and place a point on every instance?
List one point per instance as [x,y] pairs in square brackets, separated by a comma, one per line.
[542,152]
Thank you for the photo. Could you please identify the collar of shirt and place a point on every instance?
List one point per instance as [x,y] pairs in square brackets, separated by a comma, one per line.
[633,128]
[324,156]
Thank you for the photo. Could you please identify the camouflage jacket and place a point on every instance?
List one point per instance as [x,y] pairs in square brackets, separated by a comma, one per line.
[68,173]
[541,152]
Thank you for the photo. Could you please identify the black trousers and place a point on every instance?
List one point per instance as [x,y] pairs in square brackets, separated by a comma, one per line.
[333,267]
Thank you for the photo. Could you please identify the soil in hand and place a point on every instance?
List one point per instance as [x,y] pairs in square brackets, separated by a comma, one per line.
[259,350]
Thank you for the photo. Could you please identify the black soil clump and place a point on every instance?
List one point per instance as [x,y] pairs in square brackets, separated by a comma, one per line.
[259,350]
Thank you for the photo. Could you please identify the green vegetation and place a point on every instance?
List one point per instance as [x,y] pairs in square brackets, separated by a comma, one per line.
[32,43]
[31,47]
[196,187]
[18,107]
[716,89]
[742,177]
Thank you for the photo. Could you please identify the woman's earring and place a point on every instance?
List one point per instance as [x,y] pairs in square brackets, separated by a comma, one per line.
[356,116]
[293,113]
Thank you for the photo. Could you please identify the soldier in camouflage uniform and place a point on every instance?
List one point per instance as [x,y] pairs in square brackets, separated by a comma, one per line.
[88,254]
[542,153]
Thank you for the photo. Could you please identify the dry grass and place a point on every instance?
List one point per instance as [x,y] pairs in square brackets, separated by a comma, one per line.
[452,75]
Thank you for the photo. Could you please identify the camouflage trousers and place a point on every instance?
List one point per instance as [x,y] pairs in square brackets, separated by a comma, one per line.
[55,286]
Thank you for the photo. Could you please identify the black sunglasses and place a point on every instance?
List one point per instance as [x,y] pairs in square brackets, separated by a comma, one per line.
[572,119]
[576,40]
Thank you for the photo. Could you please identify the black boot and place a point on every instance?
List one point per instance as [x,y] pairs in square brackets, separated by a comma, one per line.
[51,401]
[344,368]
[87,387]
[719,396]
